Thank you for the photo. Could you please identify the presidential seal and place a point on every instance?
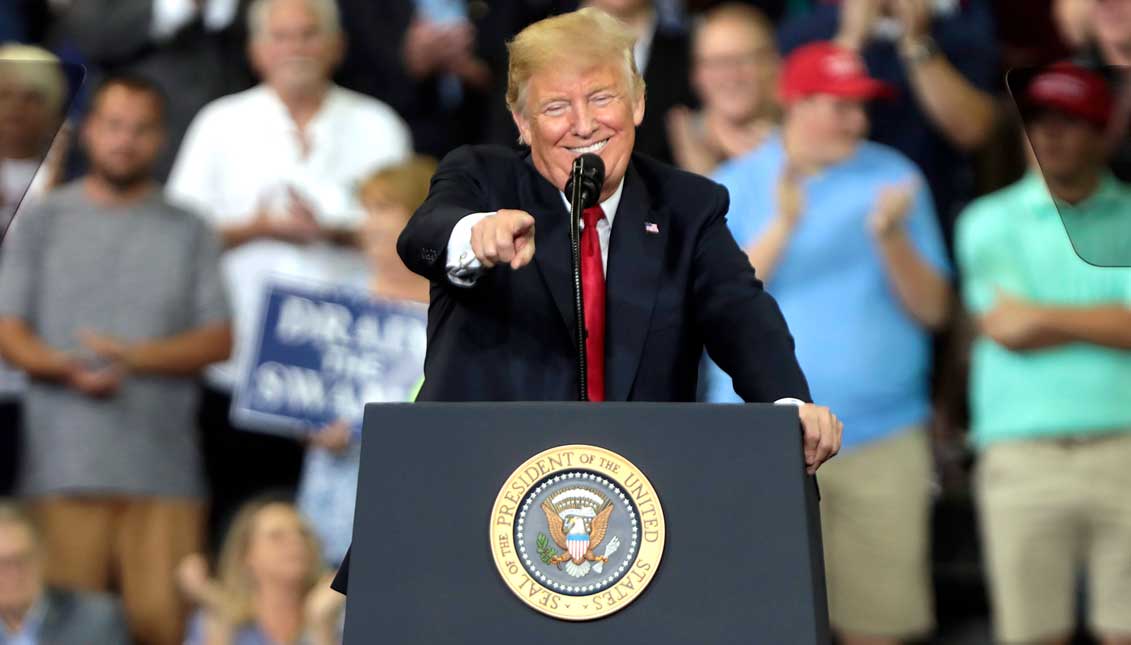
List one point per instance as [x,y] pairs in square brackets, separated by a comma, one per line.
[577,532]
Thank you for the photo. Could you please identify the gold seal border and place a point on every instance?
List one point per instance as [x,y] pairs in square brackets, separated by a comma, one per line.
[545,599]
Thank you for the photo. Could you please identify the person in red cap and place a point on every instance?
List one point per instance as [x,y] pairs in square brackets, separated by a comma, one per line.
[1067,109]
[943,56]
[844,233]
[1050,374]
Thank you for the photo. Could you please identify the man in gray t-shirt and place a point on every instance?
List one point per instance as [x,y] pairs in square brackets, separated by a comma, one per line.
[111,301]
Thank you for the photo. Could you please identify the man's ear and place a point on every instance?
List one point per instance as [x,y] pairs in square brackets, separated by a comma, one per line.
[638,109]
[523,125]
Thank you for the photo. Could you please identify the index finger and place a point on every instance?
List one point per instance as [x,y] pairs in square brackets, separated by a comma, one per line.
[518,221]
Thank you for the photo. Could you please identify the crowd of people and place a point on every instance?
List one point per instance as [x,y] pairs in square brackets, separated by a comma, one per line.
[916,213]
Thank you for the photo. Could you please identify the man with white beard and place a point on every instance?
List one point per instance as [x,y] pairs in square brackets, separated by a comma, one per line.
[274,169]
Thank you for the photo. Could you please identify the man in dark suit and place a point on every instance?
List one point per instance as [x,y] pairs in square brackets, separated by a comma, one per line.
[30,613]
[492,236]
[194,51]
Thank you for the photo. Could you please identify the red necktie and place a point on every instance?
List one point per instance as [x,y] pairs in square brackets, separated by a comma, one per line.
[593,288]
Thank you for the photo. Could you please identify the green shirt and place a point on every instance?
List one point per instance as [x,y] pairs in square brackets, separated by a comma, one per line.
[1014,239]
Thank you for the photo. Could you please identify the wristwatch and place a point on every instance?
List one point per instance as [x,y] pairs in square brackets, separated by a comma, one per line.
[919,51]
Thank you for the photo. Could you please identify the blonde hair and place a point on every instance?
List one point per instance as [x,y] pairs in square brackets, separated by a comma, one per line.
[235,581]
[405,183]
[555,42]
[36,68]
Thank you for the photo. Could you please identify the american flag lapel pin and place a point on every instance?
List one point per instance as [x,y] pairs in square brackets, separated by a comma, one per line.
[651,227]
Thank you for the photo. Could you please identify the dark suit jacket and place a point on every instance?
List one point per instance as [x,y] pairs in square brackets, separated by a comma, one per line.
[667,79]
[73,617]
[669,293]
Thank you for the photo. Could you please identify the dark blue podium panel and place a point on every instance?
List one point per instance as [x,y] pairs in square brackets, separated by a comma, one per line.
[741,563]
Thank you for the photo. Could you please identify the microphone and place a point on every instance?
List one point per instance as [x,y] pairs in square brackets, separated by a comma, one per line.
[583,190]
[588,175]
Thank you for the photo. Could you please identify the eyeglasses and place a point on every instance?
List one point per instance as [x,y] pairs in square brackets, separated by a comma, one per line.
[17,562]
[735,61]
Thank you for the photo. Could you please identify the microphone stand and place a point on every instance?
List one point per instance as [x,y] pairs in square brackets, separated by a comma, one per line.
[576,205]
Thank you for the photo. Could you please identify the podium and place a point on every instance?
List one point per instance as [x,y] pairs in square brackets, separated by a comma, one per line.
[741,551]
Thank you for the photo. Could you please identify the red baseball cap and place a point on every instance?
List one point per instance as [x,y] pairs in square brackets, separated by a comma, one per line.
[827,68]
[1073,90]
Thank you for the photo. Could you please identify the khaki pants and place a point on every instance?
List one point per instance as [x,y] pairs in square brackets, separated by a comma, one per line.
[875,518]
[136,542]
[1051,509]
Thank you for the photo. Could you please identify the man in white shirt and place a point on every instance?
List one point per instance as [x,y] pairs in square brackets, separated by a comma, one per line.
[274,168]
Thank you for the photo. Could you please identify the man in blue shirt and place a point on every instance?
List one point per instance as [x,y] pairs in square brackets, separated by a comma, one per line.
[942,57]
[843,232]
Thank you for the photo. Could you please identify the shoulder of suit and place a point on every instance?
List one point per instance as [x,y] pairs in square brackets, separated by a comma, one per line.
[494,163]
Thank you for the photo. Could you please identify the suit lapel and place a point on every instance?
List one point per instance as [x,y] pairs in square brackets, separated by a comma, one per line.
[635,259]
[551,242]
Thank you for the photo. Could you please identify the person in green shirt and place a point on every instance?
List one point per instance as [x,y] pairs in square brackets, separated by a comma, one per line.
[1050,383]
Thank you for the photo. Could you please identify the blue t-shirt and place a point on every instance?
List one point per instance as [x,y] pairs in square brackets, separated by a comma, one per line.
[968,39]
[863,354]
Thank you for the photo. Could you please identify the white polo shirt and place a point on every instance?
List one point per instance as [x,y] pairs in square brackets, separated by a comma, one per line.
[243,151]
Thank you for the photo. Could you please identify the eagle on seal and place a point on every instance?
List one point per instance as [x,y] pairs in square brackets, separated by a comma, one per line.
[578,519]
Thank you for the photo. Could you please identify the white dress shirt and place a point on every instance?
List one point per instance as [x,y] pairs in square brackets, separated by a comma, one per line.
[464,268]
[243,153]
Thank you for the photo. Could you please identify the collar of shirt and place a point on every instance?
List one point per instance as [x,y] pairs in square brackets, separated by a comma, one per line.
[275,110]
[609,205]
[1037,198]
[29,627]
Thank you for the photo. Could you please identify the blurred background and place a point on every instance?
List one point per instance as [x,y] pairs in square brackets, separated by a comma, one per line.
[955,239]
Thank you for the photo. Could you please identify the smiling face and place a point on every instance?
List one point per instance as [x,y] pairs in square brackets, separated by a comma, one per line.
[27,119]
[1066,148]
[830,128]
[123,135]
[21,568]
[735,68]
[569,112]
[293,51]
[280,548]
[1111,22]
